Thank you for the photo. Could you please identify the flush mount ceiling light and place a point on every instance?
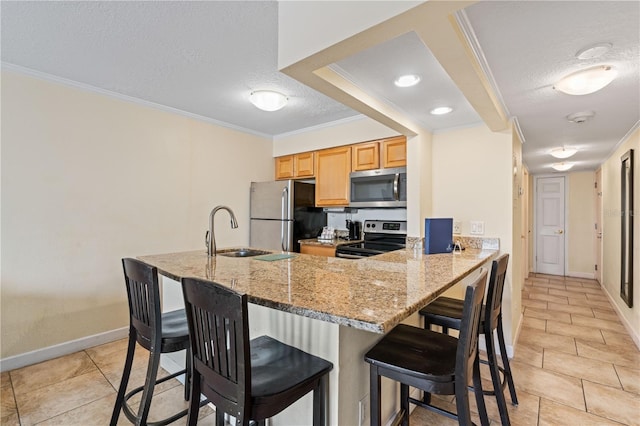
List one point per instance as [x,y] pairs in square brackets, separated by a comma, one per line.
[562,167]
[407,80]
[268,100]
[563,152]
[586,81]
[594,51]
[441,110]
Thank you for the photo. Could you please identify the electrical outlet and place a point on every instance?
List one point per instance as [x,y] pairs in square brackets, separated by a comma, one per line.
[363,411]
[477,227]
[457,227]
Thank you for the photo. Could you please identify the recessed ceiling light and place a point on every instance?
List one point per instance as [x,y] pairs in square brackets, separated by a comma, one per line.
[586,81]
[562,167]
[563,152]
[594,51]
[268,100]
[441,110]
[407,80]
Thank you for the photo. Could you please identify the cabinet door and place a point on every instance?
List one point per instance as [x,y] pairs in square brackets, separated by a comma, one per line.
[328,251]
[365,156]
[284,167]
[394,152]
[303,165]
[332,176]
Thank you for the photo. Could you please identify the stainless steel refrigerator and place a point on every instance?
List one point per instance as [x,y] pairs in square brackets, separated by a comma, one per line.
[282,213]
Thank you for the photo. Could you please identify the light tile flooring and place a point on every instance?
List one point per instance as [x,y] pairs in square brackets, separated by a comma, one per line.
[575,364]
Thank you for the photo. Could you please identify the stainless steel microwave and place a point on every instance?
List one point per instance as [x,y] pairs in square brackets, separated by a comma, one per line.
[379,188]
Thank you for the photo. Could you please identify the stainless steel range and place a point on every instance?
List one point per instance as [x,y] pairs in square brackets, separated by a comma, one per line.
[380,236]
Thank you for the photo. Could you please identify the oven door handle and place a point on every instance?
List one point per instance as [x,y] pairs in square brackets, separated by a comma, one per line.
[349,256]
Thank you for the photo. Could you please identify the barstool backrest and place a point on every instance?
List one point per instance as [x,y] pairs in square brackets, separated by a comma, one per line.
[495,290]
[143,293]
[468,337]
[219,330]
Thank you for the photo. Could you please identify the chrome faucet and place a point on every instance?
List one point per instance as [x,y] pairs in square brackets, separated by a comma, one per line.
[210,237]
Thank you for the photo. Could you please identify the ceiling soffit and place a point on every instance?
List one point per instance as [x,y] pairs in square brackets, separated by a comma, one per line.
[436,25]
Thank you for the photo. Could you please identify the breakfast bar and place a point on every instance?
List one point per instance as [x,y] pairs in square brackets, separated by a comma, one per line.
[331,307]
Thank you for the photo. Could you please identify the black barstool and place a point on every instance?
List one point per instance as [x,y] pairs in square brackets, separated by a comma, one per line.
[447,313]
[433,362]
[156,332]
[249,380]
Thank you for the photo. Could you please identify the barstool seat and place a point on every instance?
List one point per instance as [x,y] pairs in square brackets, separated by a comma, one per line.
[447,313]
[251,380]
[432,362]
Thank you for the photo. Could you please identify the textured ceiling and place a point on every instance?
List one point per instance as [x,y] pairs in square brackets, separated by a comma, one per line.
[204,58]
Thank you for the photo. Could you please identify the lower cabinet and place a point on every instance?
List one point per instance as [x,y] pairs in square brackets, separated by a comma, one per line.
[329,251]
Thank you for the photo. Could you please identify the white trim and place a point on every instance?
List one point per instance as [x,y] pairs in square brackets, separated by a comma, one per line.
[66,348]
[587,275]
[635,336]
[87,87]
[516,125]
[516,336]
[467,30]
[633,128]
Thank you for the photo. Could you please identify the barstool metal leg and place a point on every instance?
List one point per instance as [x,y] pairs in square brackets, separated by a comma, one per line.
[124,381]
[479,394]
[319,402]
[404,404]
[374,392]
[505,363]
[495,378]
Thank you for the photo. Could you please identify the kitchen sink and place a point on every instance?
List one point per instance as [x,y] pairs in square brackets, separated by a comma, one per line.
[242,252]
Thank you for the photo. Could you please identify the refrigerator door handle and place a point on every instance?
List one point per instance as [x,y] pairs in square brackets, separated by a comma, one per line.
[285,197]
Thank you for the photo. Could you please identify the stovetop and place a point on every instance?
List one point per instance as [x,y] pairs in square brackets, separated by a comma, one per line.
[379,237]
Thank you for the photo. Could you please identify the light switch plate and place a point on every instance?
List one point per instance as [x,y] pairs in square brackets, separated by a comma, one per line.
[477,227]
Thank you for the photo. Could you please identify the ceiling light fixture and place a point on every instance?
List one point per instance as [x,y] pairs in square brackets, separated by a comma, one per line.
[563,152]
[441,110]
[407,80]
[268,100]
[562,167]
[586,81]
[594,51]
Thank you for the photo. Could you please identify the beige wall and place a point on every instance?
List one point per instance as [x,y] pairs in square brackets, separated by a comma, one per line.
[87,180]
[580,225]
[611,234]
[473,180]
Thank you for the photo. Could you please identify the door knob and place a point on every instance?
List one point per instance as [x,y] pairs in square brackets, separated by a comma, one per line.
[559,231]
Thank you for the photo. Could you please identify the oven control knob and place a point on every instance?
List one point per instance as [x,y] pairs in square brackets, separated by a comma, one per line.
[373,226]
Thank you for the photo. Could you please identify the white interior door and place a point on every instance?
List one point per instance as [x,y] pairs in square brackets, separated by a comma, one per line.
[550,230]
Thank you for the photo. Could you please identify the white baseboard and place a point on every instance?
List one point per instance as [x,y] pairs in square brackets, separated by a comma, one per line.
[66,348]
[586,275]
[634,334]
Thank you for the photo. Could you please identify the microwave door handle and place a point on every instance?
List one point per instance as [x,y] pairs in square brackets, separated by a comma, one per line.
[283,217]
[396,182]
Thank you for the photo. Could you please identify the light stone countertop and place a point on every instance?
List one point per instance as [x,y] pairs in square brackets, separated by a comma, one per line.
[372,294]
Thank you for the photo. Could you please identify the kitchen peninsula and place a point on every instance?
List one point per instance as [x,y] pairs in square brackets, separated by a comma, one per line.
[340,307]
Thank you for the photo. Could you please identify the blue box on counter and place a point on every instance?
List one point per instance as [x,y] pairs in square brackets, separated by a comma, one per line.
[438,235]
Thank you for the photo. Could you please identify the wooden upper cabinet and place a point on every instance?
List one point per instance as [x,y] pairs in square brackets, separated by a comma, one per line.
[295,166]
[284,167]
[332,176]
[394,152]
[304,165]
[365,156]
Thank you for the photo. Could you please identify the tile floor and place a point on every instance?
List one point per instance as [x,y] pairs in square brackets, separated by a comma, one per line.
[574,365]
